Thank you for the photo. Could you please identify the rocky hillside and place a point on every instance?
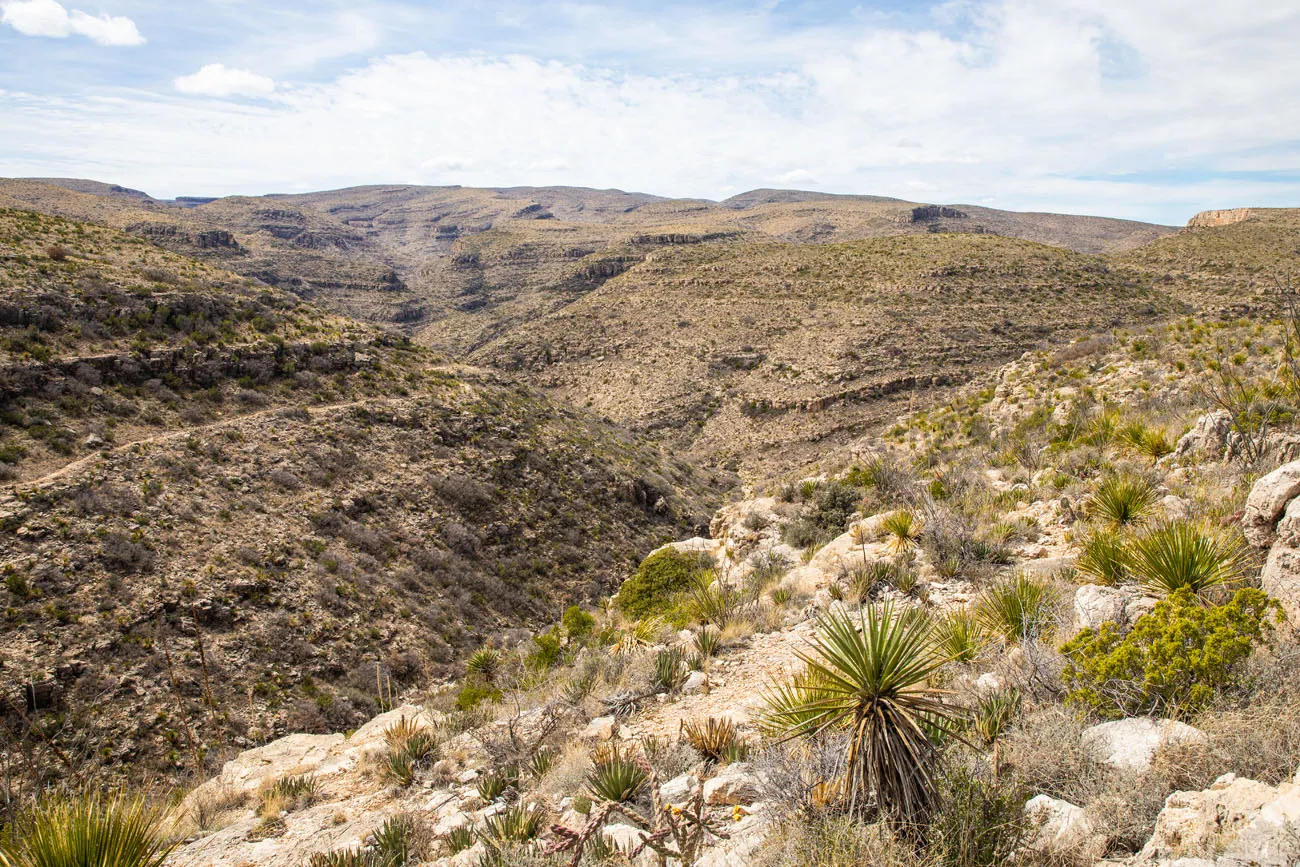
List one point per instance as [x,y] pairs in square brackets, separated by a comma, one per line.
[1043,507]
[228,514]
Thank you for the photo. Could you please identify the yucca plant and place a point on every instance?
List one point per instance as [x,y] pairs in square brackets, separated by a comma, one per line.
[401,767]
[707,641]
[781,595]
[670,670]
[615,776]
[713,738]
[1103,428]
[872,675]
[1121,499]
[90,828]
[902,531]
[712,601]
[515,824]
[485,662]
[993,715]
[959,636]
[1104,557]
[1017,608]
[905,579]
[1180,554]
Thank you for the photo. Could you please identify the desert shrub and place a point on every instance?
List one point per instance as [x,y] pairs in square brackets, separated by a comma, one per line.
[472,694]
[1174,660]
[1179,554]
[1017,608]
[1121,499]
[123,554]
[1104,557]
[659,582]
[89,828]
[577,623]
[824,517]
[980,822]
[822,839]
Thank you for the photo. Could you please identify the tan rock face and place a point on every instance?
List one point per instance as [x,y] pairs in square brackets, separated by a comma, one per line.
[1225,217]
[1267,501]
[1272,521]
[1246,823]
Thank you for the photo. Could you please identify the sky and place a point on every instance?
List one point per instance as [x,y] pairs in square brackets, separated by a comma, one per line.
[1146,109]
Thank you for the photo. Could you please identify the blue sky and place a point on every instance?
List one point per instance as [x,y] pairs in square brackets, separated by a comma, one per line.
[1150,110]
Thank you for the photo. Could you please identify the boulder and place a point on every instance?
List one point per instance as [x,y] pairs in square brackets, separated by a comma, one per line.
[679,789]
[1280,577]
[1208,437]
[1193,822]
[697,682]
[1062,827]
[1267,501]
[1095,604]
[599,729]
[292,754]
[734,784]
[1129,744]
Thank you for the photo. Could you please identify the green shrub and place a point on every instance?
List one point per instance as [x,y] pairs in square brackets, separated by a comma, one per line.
[1175,659]
[659,582]
[473,694]
[577,623]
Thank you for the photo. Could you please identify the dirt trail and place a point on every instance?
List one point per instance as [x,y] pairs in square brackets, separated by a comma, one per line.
[71,468]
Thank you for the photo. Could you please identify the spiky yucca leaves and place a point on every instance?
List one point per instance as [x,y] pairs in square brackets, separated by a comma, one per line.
[1017,608]
[1121,500]
[902,531]
[714,602]
[714,739]
[863,580]
[497,783]
[88,828]
[872,675]
[1104,557]
[615,776]
[485,662]
[670,670]
[993,715]
[1149,442]
[959,636]
[1181,554]
[707,642]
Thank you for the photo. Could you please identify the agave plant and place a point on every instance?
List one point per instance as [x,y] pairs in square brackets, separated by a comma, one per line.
[902,531]
[993,715]
[88,828]
[1180,554]
[497,783]
[713,738]
[1017,608]
[1104,558]
[873,675]
[541,762]
[615,776]
[1121,499]
[459,839]
[863,580]
[516,824]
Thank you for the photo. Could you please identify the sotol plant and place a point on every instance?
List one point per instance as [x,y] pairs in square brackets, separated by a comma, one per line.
[88,828]
[872,676]
[1121,500]
[1180,554]
[1017,608]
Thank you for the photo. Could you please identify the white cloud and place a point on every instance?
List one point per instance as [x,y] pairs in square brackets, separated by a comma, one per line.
[216,79]
[1023,104]
[50,18]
